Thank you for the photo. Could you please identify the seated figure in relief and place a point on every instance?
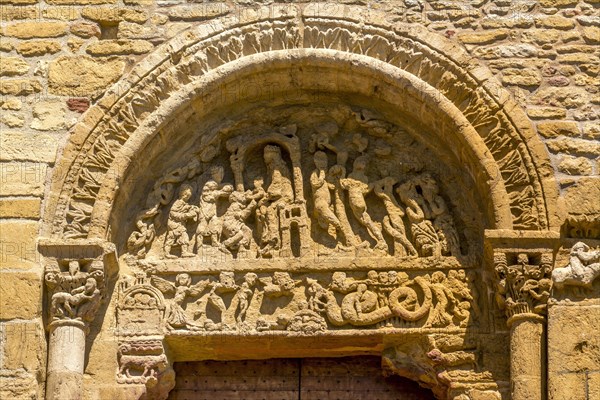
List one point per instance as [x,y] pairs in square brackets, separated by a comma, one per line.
[180,214]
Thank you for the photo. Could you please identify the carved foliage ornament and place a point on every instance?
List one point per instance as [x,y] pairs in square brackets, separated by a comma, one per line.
[477,105]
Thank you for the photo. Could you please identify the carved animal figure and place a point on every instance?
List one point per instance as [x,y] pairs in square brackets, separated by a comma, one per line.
[360,308]
[235,231]
[150,365]
[583,268]
[81,303]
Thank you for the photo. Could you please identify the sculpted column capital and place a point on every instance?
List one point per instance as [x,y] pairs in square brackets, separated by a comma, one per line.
[522,283]
[75,275]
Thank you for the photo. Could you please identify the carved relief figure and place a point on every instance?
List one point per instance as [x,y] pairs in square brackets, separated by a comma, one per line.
[583,268]
[210,225]
[437,211]
[80,303]
[322,196]
[176,316]
[235,231]
[358,186]
[393,222]
[244,295]
[279,194]
[180,214]
[422,230]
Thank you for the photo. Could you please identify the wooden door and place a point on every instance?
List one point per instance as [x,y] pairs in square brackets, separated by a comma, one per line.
[346,378]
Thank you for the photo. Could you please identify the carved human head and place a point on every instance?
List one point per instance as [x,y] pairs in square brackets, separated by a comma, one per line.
[320,159]
[272,153]
[227,278]
[360,164]
[372,275]
[185,192]
[183,279]
[217,173]
[437,277]
[579,246]
[251,278]
[90,285]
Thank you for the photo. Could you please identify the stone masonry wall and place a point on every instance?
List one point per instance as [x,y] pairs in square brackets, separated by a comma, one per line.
[57,57]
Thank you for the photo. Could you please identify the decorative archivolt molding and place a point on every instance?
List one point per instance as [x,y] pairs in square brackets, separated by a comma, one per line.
[107,127]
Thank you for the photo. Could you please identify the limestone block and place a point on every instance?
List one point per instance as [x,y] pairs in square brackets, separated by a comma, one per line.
[49,115]
[484,37]
[6,46]
[558,3]
[591,130]
[18,2]
[18,250]
[203,12]
[546,112]
[12,120]
[29,30]
[114,15]
[10,103]
[23,345]
[20,207]
[575,166]
[521,77]
[557,128]
[10,66]
[20,87]
[578,58]
[38,48]
[20,295]
[591,34]
[571,97]
[581,198]
[120,46]
[82,75]
[15,145]
[574,146]
[12,13]
[63,13]
[80,2]
[18,384]
[22,178]
[85,29]
[554,22]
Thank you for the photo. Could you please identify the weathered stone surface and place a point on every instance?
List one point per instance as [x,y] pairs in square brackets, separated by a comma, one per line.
[484,37]
[22,178]
[49,115]
[80,2]
[20,207]
[19,87]
[521,77]
[574,146]
[558,3]
[20,295]
[200,13]
[120,46]
[554,129]
[11,13]
[78,104]
[85,29]
[560,97]
[38,48]
[83,75]
[114,15]
[10,103]
[554,22]
[591,130]
[12,120]
[18,384]
[580,199]
[575,166]
[546,112]
[29,30]
[11,66]
[23,345]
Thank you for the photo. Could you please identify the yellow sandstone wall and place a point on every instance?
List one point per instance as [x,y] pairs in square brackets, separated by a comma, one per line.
[57,57]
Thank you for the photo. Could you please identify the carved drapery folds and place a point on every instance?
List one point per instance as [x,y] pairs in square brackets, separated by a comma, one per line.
[523,282]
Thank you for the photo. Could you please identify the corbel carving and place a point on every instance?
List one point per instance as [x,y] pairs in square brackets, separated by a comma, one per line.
[582,270]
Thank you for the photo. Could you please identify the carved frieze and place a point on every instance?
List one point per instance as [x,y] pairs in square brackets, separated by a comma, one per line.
[297,302]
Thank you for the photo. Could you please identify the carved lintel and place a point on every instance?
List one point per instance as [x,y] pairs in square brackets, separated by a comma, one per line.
[75,275]
[523,282]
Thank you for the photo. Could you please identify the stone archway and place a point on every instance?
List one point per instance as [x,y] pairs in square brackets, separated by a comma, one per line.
[405,89]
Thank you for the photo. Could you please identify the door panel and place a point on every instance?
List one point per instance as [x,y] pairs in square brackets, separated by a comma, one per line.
[345,378]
